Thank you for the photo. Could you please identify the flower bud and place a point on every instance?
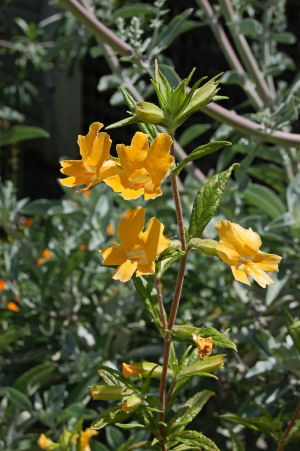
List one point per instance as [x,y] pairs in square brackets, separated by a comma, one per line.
[108,392]
[148,112]
[131,403]
[143,369]
[207,247]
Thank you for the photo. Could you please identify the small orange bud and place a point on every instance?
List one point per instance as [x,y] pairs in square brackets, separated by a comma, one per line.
[44,442]
[83,247]
[46,253]
[27,222]
[13,307]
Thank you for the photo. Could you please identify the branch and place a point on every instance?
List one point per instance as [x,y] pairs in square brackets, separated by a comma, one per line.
[245,51]
[228,50]
[98,29]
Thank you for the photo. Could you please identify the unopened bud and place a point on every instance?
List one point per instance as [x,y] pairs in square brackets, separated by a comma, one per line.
[143,369]
[148,112]
[207,247]
[108,392]
[131,403]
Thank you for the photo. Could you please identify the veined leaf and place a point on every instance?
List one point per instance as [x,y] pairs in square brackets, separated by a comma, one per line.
[195,439]
[200,152]
[208,200]
[18,133]
[188,411]
[184,333]
[192,132]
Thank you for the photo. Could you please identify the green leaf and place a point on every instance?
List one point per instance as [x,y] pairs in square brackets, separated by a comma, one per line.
[264,200]
[144,291]
[184,333]
[250,27]
[137,9]
[208,200]
[265,424]
[10,336]
[16,397]
[32,379]
[237,444]
[293,328]
[112,415]
[188,411]
[172,30]
[122,123]
[192,132]
[114,437]
[18,133]
[232,77]
[169,72]
[195,439]
[200,152]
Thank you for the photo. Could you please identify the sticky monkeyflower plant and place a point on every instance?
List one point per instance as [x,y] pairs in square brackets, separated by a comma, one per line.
[148,395]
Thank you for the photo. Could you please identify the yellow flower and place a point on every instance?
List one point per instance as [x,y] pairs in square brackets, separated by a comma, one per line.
[137,250]
[142,169]
[204,345]
[239,248]
[44,442]
[95,163]
[85,439]
[13,307]
[46,255]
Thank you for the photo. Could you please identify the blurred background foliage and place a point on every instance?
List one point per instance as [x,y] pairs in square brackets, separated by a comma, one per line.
[62,315]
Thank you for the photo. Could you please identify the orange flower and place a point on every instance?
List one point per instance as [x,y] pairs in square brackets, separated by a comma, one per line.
[204,345]
[85,438]
[142,169]
[44,442]
[2,285]
[239,248]
[110,229]
[95,164]
[138,250]
[13,307]
[46,255]
[126,214]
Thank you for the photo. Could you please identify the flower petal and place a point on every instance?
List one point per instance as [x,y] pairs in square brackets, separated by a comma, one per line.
[240,275]
[114,255]
[267,262]
[159,160]
[155,241]
[227,253]
[143,270]
[86,142]
[261,277]
[125,271]
[244,241]
[130,229]
[131,157]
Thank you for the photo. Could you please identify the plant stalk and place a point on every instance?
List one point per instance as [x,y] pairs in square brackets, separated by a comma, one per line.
[293,420]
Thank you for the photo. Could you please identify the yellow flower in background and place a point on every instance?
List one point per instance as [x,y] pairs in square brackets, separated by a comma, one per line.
[85,438]
[44,442]
[46,255]
[239,248]
[141,168]
[13,307]
[137,250]
[204,345]
[95,164]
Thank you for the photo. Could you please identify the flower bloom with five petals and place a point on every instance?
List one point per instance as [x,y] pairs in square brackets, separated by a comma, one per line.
[142,168]
[95,164]
[137,250]
[239,248]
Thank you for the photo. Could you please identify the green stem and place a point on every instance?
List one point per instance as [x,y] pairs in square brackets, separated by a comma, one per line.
[163,317]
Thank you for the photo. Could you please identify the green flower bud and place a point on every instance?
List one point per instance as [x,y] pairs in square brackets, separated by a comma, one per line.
[209,365]
[207,247]
[148,112]
[131,403]
[109,392]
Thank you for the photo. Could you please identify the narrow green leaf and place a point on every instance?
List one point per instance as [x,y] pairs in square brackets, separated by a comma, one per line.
[264,200]
[208,200]
[18,133]
[192,132]
[32,379]
[265,424]
[184,333]
[122,123]
[10,336]
[293,328]
[112,415]
[137,9]
[188,411]
[172,30]
[16,397]
[200,152]
[144,290]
